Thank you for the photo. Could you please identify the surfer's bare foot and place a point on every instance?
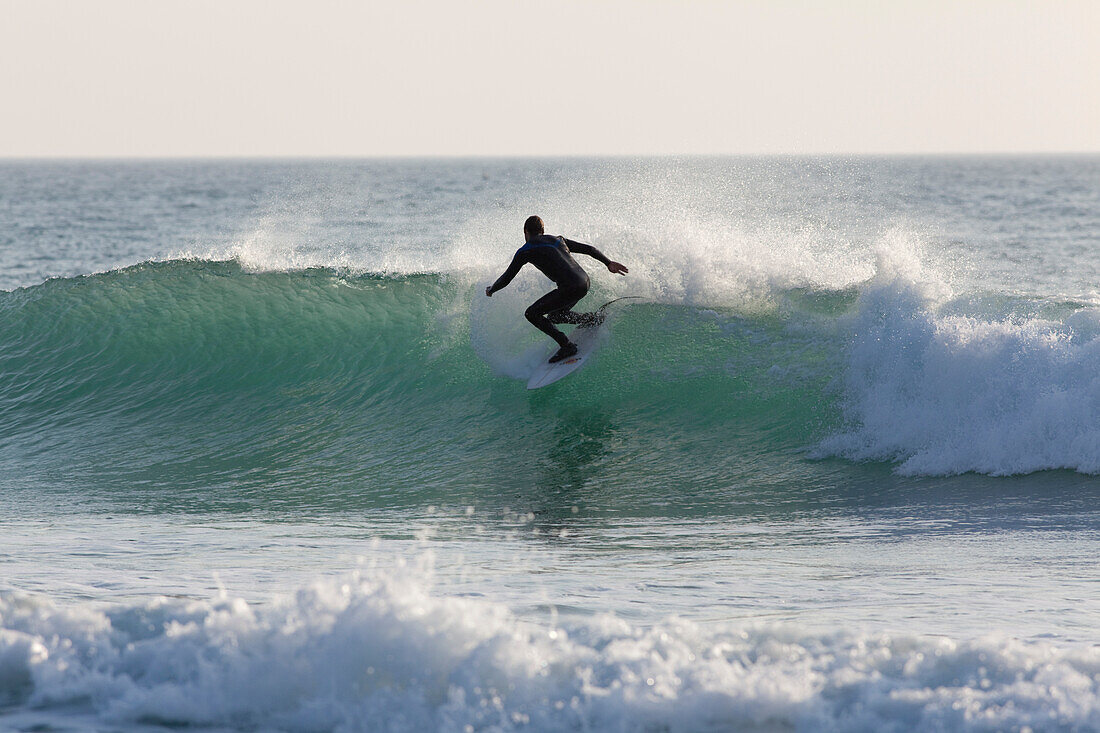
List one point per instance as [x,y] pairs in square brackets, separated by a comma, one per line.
[564,352]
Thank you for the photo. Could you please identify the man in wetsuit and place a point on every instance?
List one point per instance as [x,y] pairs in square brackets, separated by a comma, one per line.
[551,255]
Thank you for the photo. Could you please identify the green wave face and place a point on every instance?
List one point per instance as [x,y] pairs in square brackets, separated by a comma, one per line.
[197,386]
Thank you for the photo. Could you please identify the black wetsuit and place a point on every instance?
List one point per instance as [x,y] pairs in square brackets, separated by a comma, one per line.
[551,255]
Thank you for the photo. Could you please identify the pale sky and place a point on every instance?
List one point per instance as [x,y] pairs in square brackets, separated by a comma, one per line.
[439,77]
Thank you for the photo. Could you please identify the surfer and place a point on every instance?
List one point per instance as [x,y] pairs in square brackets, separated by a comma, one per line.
[552,256]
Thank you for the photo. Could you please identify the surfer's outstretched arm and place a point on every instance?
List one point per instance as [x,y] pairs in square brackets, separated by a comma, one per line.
[503,280]
[588,249]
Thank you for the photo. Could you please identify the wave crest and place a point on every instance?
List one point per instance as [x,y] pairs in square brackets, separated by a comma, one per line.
[944,393]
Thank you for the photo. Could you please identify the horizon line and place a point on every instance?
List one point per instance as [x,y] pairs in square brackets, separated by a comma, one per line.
[533,156]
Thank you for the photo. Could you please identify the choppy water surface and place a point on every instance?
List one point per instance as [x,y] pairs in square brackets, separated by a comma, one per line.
[267,459]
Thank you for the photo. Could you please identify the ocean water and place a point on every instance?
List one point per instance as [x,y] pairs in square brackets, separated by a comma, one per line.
[267,459]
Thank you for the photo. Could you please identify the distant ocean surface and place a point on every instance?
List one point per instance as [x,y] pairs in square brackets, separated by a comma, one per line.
[267,459]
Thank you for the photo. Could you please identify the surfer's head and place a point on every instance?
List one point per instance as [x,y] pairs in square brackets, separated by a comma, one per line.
[532,227]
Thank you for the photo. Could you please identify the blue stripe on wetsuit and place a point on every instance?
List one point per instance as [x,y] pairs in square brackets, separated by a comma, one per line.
[536,245]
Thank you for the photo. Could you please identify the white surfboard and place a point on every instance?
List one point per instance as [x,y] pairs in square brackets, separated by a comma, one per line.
[586,338]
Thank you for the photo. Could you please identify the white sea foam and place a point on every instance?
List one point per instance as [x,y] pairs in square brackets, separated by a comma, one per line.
[947,394]
[386,654]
